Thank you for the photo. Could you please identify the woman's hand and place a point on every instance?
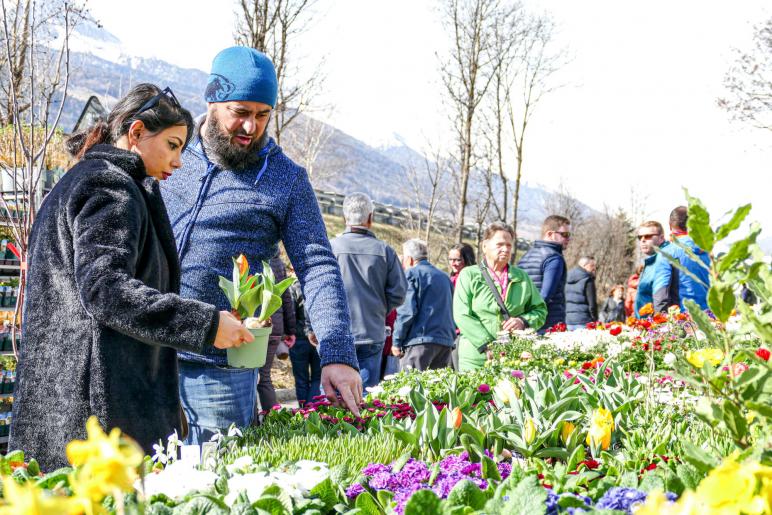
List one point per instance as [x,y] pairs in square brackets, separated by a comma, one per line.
[513,324]
[230,332]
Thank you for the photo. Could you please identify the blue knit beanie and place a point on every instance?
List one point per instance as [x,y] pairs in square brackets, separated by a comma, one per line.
[241,73]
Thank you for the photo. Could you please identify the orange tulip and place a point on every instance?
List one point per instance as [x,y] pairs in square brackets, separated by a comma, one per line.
[456,416]
[647,309]
[243,264]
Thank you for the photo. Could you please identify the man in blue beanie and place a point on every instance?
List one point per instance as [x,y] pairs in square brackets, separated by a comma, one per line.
[238,193]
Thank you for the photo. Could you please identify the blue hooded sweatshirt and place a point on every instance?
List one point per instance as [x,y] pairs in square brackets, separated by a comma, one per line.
[688,288]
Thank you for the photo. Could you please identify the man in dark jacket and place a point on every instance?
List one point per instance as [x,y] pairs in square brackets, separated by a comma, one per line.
[545,265]
[424,331]
[581,297]
[374,281]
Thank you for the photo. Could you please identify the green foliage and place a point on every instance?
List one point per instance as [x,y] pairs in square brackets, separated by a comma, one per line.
[246,293]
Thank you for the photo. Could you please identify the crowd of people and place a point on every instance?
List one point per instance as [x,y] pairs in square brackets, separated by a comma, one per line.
[450,320]
[124,319]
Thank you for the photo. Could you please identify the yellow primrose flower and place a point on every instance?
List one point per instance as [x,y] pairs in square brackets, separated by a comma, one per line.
[506,392]
[31,500]
[103,463]
[712,356]
[566,431]
[529,430]
[601,427]
[559,361]
[731,487]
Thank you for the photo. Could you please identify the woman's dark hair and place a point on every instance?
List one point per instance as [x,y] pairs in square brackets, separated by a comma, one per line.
[165,113]
[466,251]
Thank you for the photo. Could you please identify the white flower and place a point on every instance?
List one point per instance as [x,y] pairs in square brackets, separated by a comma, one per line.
[159,456]
[253,484]
[234,431]
[216,437]
[404,391]
[389,377]
[240,464]
[643,379]
[176,481]
[669,359]
[375,390]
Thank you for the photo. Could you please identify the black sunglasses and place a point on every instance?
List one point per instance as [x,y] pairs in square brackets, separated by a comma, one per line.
[167,92]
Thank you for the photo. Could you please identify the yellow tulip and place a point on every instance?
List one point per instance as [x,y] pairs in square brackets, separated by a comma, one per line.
[529,430]
[712,356]
[27,498]
[601,427]
[567,431]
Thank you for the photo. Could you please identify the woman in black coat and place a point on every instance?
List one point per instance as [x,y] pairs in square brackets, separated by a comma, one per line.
[101,318]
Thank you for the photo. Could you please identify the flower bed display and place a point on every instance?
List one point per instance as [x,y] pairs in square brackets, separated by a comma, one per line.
[665,414]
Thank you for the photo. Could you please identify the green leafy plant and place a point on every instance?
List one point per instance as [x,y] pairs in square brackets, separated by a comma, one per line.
[246,293]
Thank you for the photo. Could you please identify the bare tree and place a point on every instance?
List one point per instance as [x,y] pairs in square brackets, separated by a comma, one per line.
[273,27]
[530,81]
[305,142]
[562,202]
[749,81]
[31,137]
[468,75]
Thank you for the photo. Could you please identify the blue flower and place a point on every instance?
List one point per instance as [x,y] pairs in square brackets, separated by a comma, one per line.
[620,498]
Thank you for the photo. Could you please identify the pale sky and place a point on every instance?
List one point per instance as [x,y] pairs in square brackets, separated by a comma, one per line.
[638,109]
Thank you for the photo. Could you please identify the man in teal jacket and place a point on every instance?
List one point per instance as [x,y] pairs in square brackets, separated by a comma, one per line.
[651,235]
[688,287]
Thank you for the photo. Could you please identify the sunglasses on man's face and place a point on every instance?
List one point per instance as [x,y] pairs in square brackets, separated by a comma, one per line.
[647,237]
[167,92]
[566,234]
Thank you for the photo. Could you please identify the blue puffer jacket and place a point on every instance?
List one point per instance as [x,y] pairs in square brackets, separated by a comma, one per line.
[547,255]
[218,214]
[688,288]
[427,314]
[581,298]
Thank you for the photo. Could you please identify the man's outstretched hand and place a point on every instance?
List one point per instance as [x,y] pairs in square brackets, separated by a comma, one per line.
[347,382]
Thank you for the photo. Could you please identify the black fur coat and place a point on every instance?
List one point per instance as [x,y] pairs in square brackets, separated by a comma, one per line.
[101,320]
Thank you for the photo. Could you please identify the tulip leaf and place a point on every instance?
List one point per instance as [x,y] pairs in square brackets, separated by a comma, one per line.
[698,224]
[721,300]
[739,251]
[734,223]
[489,469]
[701,319]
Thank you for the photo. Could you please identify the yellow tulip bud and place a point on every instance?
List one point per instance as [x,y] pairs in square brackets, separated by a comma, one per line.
[529,430]
[565,433]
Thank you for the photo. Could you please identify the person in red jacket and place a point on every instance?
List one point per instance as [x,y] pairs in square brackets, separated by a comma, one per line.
[632,290]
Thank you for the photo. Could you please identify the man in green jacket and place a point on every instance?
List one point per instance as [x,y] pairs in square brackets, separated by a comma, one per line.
[475,309]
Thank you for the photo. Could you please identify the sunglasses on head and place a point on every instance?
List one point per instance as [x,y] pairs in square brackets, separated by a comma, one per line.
[646,237]
[167,92]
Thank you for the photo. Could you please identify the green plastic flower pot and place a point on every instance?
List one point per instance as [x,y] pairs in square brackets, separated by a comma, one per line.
[252,354]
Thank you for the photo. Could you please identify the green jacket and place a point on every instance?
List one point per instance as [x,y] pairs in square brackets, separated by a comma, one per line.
[477,314]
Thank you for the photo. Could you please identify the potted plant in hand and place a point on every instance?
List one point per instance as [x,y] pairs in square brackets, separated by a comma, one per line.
[253,299]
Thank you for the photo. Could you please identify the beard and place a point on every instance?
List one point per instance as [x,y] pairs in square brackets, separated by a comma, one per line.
[220,149]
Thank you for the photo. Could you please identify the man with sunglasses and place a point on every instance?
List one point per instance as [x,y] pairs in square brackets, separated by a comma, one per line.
[545,265]
[237,192]
[650,237]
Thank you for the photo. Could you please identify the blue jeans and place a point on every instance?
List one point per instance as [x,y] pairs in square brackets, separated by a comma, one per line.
[574,327]
[216,397]
[304,357]
[369,356]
